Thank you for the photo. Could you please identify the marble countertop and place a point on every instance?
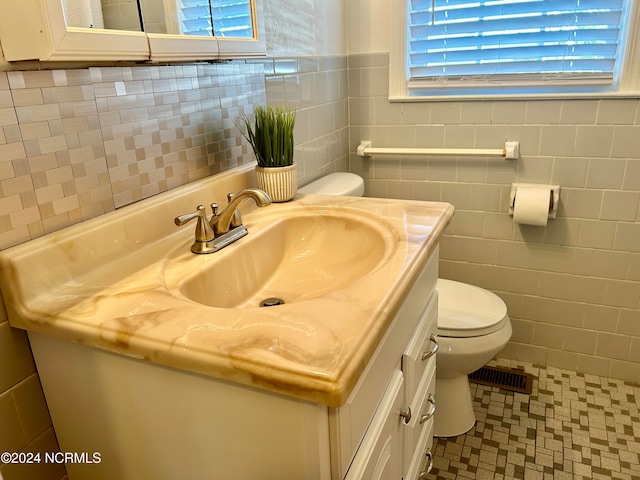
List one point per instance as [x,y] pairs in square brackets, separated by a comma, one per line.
[105,283]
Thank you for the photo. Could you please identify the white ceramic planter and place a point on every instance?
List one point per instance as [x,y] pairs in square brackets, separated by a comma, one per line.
[281,183]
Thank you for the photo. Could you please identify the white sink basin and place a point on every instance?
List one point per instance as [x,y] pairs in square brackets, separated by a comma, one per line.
[295,258]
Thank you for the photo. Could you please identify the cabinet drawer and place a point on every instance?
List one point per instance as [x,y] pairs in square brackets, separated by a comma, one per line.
[380,454]
[423,461]
[419,356]
[418,431]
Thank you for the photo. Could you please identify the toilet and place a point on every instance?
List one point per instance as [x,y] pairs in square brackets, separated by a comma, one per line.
[473,326]
[338,183]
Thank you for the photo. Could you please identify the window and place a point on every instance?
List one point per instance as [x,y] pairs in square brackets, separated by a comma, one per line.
[534,47]
[220,18]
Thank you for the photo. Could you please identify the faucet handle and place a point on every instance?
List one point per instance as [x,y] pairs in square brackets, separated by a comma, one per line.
[204,232]
[236,220]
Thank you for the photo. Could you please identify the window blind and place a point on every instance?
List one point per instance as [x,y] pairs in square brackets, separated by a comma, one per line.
[513,42]
[222,18]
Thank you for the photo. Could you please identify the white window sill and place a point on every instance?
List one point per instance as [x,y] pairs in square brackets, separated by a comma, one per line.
[512,96]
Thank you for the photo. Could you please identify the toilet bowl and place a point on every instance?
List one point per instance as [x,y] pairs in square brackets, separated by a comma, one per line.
[473,326]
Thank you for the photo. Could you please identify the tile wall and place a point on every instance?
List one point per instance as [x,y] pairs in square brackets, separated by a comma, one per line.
[75,144]
[573,287]
[78,143]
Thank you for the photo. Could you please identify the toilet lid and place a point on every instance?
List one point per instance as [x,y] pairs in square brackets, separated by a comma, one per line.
[468,311]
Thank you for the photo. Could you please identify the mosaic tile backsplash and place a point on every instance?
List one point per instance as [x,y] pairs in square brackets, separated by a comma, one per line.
[77,143]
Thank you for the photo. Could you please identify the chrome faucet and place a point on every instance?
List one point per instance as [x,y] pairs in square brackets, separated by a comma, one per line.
[224,228]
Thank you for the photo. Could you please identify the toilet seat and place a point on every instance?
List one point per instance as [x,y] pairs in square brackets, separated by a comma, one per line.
[468,311]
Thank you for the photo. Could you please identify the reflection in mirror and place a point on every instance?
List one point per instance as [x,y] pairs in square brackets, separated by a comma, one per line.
[83,13]
[153,15]
[220,18]
[110,14]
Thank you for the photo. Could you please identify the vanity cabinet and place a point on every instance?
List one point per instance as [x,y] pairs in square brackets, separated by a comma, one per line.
[37,30]
[150,421]
[398,437]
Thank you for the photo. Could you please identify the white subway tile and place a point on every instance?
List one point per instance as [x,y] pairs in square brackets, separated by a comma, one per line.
[626,237]
[629,322]
[629,371]
[508,112]
[415,113]
[570,171]
[611,264]
[459,136]
[622,293]
[429,136]
[626,142]
[468,223]
[620,205]
[631,179]
[581,203]
[457,194]
[577,112]
[580,341]
[616,112]
[470,169]
[485,197]
[535,169]
[13,436]
[601,318]
[613,346]
[545,112]
[557,140]
[596,234]
[605,173]
[15,355]
[594,141]
[445,113]
[475,113]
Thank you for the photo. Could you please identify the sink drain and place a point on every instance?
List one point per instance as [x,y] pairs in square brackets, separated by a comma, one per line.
[271,302]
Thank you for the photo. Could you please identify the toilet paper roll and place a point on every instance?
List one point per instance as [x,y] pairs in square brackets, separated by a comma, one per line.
[531,205]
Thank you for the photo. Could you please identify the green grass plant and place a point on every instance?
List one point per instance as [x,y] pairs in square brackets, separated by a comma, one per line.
[271,135]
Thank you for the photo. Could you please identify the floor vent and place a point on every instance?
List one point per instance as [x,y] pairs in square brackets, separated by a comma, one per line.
[505,378]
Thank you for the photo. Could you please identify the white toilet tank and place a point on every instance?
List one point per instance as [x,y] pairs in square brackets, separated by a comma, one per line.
[338,183]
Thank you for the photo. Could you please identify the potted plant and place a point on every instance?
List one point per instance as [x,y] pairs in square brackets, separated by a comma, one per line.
[270,135]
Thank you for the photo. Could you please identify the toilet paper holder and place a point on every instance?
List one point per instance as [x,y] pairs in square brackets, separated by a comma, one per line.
[554,197]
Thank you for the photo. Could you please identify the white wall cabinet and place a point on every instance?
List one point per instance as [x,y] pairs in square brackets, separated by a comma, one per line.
[36,30]
[150,421]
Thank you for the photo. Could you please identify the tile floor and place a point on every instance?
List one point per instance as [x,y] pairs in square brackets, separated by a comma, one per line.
[572,426]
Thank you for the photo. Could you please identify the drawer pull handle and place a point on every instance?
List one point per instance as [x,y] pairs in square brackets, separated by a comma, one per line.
[406,415]
[433,351]
[431,411]
[423,475]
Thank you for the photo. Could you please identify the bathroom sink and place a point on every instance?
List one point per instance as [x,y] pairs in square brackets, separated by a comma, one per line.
[298,257]
[127,282]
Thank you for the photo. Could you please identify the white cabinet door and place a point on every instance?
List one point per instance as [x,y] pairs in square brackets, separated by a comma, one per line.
[36,30]
[380,455]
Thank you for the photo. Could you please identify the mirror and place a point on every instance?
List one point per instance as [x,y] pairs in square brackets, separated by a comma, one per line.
[203,18]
